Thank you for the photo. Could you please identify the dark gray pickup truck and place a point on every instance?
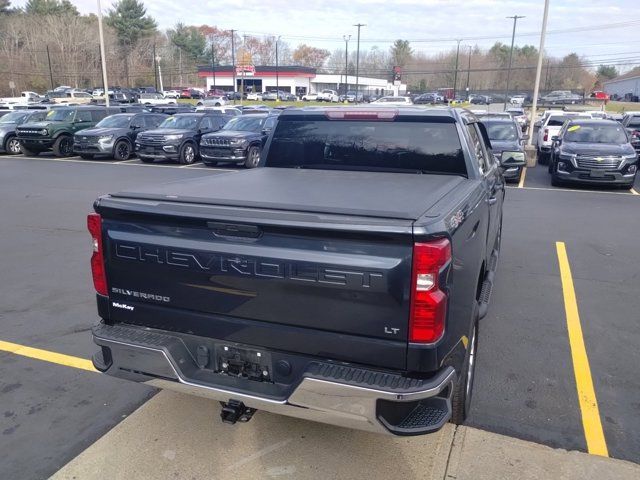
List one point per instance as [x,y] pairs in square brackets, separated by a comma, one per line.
[341,281]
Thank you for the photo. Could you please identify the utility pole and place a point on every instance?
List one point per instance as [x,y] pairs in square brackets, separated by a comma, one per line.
[455,75]
[346,64]
[233,63]
[213,62]
[536,88]
[180,66]
[155,67]
[468,72]
[160,74]
[513,37]
[546,80]
[50,71]
[359,25]
[277,80]
[102,56]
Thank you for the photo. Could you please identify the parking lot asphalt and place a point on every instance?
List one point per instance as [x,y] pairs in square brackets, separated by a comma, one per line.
[526,380]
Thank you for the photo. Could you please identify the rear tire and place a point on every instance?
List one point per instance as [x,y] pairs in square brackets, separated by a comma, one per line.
[463,388]
[28,152]
[63,146]
[12,145]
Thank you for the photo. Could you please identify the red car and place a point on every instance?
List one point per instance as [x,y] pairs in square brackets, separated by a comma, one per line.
[600,95]
[190,93]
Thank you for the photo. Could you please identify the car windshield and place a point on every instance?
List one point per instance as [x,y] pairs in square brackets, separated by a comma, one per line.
[115,121]
[245,124]
[14,117]
[501,131]
[186,122]
[586,133]
[404,147]
[60,115]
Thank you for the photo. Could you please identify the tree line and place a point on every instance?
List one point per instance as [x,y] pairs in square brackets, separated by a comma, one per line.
[49,42]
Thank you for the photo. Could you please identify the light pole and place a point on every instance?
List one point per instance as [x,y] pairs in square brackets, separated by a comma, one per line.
[455,75]
[469,71]
[233,64]
[102,57]
[213,61]
[277,80]
[346,64]
[160,73]
[536,87]
[359,25]
[513,37]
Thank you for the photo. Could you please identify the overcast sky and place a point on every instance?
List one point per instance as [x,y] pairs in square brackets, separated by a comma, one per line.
[322,23]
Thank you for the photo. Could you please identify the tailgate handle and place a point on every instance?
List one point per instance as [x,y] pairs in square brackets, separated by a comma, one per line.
[234,230]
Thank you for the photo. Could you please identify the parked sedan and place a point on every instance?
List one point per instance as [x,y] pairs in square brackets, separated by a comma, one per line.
[310,97]
[507,143]
[256,96]
[595,152]
[8,140]
[115,135]
[239,141]
[214,101]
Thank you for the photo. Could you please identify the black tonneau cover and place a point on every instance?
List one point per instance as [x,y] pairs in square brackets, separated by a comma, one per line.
[367,194]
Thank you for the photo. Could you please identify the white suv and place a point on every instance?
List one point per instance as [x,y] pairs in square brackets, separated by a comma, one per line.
[328,96]
[550,128]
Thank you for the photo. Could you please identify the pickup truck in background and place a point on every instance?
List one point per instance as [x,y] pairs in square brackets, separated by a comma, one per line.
[341,281]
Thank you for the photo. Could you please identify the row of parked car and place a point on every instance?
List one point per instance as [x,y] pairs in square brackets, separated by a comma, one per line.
[213,134]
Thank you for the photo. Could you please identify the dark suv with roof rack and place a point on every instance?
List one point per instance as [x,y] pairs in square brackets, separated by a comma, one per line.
[593,151]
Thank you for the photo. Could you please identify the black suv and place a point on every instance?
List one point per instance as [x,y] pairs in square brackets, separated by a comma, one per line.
[115,135]
[9,143]
[240,141]
[593,151]
[56,131]
[631,122]
[178,137]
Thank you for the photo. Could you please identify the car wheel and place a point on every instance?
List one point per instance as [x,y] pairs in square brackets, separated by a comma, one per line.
[63,146]
[463,389]
[188,154]
[12,146]
[122,150]
[86,156]
[253,157]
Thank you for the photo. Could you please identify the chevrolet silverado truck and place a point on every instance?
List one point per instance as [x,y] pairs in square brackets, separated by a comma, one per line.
[341,281]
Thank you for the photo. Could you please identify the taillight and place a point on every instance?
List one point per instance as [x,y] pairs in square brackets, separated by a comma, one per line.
[368,114]
[428,301]
[546,134]
[94,224]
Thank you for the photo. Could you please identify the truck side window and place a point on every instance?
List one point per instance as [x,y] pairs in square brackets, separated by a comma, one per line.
[83,116]
[479,151]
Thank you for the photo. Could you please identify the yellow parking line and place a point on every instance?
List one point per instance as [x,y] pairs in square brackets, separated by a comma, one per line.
[596,443]
[522,177]
[47,356]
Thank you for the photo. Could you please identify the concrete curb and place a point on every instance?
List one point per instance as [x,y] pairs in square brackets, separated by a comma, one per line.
[180,436]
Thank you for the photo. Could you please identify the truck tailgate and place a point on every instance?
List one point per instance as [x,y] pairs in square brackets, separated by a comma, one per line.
[228,271]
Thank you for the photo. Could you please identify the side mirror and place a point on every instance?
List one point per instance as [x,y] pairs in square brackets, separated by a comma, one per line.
[555,138]
[135,127]
[266,131]
[512,159]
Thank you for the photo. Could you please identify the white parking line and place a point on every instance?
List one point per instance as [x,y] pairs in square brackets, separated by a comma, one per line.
[550,189]
[129,163]
[634,191]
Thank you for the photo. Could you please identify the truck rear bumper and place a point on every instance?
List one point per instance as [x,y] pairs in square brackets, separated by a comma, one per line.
[337,394]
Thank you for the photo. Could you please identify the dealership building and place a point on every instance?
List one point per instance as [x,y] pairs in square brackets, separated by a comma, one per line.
[625,86]
[293,79]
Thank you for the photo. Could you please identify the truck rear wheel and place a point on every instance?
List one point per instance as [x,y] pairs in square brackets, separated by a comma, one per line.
[63,147]
[463,389]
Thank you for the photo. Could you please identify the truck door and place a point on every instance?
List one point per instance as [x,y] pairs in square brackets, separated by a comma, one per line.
[493,182]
